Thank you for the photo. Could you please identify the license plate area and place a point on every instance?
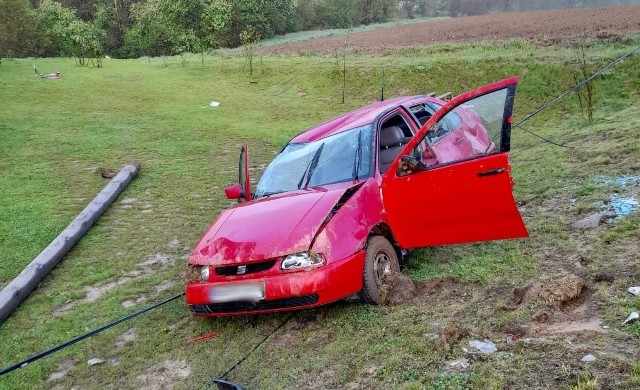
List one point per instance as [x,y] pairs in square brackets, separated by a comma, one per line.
[236,292]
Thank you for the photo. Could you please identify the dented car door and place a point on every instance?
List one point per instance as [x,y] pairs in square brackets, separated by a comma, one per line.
[453,199]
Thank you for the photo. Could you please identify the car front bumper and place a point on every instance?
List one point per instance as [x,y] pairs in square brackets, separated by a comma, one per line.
[284,290]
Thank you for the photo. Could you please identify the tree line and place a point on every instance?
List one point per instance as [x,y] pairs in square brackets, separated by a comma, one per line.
[134,28]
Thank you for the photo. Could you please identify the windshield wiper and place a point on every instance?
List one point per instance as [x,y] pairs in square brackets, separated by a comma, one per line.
[311,168]
[272,193]
[356,162]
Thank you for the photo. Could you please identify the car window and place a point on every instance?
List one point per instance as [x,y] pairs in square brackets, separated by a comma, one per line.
[422,112]
[399,121]
[469,130]
[445,126]
[340,157]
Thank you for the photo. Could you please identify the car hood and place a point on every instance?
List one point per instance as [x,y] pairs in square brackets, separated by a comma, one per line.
[267,228]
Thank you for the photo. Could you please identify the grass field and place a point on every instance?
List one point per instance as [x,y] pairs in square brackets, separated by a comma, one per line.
[55,133]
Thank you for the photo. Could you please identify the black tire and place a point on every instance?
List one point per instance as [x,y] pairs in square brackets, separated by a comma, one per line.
[380,266]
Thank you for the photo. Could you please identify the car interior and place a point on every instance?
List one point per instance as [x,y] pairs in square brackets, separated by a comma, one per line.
[394,134]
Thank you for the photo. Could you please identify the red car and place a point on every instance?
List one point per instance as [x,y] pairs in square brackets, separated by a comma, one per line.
[336,210]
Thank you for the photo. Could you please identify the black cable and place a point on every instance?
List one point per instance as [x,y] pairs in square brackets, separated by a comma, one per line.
[254,348]
[564,144]
[39,356]
[575,88]
[545,139]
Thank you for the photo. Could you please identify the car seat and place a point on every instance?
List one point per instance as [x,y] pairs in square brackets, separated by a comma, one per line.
[392,141]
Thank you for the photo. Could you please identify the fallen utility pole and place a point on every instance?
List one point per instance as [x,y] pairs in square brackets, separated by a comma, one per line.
[20,287]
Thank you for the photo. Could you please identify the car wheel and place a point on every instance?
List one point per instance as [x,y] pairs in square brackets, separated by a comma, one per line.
[380,264]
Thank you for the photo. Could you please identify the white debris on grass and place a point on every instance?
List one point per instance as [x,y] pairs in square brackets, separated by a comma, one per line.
[632,317]
[588,358]
[486,347]
[94,361]
[634,290]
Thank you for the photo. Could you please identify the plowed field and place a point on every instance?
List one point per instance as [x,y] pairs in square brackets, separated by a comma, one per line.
[542,27]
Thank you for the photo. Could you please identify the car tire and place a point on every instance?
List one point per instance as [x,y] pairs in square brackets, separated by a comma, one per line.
[380,264]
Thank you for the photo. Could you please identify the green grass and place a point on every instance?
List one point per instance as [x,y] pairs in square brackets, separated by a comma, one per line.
[54,133]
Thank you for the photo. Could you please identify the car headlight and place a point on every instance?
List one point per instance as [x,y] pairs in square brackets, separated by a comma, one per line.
[301,260]
[196,273]
[204,273]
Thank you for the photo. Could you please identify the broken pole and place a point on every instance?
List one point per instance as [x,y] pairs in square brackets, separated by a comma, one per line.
[20,287]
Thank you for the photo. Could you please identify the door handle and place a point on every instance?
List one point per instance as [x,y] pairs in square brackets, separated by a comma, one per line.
[490,172]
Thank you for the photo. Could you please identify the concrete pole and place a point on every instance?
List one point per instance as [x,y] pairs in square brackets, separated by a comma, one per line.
[20,287]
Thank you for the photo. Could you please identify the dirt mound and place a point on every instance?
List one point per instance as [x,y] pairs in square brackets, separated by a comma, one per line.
[558,291]
[565,307]
[447,337]
[402,289]
[549,27]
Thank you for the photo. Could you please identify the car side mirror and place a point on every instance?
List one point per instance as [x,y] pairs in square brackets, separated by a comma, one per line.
[233,192]
[409,165]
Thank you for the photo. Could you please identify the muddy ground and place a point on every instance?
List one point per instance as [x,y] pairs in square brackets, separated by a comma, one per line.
[550,27]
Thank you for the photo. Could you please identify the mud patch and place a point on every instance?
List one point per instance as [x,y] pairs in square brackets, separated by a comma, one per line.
[448,336]
[437,285]
[62,370]
[127,337]
[401,289]
[165,375]
[128,200]
[151,264]
[92,293]
[131,302]
[163,286]
[159,259]
[558,291]
[565,307]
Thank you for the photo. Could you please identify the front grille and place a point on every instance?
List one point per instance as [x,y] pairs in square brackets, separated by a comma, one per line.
[230,307]
[250,268]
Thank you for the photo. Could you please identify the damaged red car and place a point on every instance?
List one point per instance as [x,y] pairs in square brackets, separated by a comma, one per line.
[336,210]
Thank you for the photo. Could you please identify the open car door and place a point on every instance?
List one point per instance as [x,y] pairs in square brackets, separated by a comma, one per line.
[433,198]
[241,191]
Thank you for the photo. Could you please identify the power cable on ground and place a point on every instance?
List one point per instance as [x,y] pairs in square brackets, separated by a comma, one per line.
[283,323]
[40,355]
[564,144]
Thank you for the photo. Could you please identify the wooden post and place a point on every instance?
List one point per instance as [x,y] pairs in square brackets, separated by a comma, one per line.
[20,287]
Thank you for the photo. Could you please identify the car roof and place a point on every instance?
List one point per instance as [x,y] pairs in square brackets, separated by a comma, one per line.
[360,117]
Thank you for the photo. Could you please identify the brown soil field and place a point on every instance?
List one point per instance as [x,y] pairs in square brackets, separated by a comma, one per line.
[550,27]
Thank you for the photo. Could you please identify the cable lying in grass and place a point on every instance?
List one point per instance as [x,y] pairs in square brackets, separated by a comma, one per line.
[567,133]
[40,355]
[223,376]
[562,96]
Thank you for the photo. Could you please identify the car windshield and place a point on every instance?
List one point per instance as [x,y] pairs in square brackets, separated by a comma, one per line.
[341,157]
